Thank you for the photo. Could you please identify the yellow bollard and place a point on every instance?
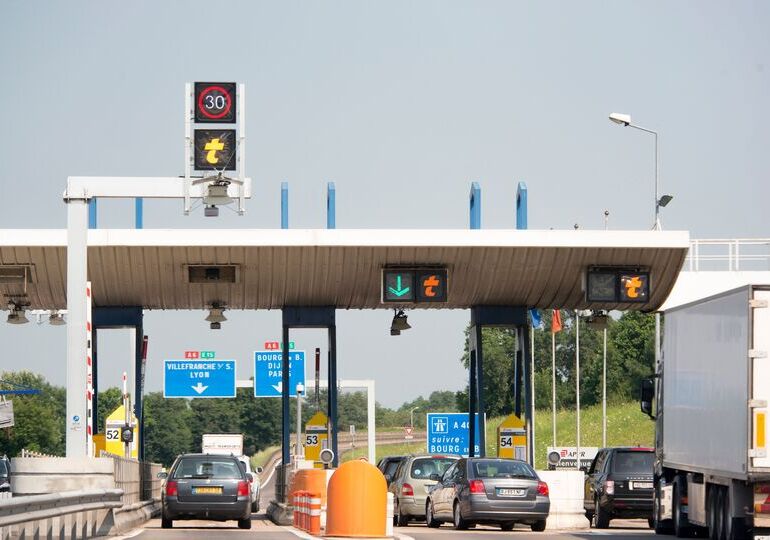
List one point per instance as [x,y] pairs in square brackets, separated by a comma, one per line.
[356,504]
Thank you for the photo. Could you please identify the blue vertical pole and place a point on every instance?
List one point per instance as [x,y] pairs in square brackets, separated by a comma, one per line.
[92,213]
[475,206]
[331,206]
[139,213]
[284,205]
[521,206]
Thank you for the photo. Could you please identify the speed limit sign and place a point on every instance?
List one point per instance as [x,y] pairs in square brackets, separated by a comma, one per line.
[215,103]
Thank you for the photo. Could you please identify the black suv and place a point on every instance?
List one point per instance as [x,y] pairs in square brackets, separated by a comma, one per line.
[618,484]
[5,474]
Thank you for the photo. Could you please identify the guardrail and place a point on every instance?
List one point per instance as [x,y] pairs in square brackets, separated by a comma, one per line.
[69,514]
[728,254]
[128,477]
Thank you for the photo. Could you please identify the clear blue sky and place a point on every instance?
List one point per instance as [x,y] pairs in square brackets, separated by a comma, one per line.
[402,105]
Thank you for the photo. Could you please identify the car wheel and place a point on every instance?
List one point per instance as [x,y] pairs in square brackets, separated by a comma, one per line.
[459,521]
[601,516]
[254,507]
[244,523]
[432,522]
[538,526]
[166,523]
[399,519]
[507,526]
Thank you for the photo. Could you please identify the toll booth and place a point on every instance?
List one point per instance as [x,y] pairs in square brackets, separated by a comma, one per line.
[316,438]
[512,438]
[112,443]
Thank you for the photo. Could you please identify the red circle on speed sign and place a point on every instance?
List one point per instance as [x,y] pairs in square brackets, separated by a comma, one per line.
[215,102]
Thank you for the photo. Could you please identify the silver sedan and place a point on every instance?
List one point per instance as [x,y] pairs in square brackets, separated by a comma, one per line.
[489,491]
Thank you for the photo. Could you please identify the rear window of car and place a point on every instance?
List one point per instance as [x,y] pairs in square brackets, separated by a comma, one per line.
[633,461]
[494,468]
[424,467]
[391,466]
[207,467]
[3,468]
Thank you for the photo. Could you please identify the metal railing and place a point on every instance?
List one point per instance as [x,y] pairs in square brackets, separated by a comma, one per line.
[34,454]
[128,477]
[69,514]
[151,484]
[746,254]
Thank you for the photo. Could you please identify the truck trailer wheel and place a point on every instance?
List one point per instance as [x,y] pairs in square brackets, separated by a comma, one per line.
[680,521]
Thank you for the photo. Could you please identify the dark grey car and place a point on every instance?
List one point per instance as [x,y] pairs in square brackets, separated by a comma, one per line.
[489,491]
[204,486]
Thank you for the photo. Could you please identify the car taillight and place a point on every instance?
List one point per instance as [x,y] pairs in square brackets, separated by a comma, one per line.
[171,489]
[243,488]
[477,486]
[406,489]
[609,487]
[542,488]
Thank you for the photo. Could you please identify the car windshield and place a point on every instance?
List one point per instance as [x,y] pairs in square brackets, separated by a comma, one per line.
[633,462]
[498,468]
[207,467]
[425,467]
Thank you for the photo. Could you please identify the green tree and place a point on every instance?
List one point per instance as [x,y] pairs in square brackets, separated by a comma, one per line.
[108,401]
[167,428]
[38,419]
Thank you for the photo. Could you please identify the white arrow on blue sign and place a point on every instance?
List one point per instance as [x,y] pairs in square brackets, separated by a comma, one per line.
[199,378]
[448,433]
[268,373]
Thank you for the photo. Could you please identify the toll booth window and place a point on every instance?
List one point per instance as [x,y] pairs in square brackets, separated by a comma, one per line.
[424,467]
[502,469]
[633,462]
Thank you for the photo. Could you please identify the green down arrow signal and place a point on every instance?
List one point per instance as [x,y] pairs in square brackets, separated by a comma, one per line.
[399,291]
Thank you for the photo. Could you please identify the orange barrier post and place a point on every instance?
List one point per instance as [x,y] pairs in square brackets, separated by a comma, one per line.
[303,506]
[295,504]
[314,527]
[357,501]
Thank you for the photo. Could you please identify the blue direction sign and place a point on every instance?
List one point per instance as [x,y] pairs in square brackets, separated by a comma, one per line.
[448,433]
[199,378]
[268,372]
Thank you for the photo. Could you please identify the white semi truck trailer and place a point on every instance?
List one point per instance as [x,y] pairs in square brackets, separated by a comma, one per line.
[709,399]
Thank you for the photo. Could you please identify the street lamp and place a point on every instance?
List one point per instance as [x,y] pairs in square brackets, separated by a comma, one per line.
[625,120]
[411,416]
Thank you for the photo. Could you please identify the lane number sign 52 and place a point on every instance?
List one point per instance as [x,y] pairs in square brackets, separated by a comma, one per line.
[215,103]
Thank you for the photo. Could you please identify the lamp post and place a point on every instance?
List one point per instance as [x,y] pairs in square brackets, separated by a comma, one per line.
[411,416]
[625,120]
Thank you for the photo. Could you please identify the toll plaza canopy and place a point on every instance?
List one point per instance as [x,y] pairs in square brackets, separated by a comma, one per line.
[269,269]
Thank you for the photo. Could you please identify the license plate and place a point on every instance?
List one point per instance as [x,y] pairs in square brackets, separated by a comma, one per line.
[507,492]
[641,485]
[207,490]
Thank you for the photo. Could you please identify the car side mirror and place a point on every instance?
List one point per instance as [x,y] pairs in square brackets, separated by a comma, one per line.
[435,477]
[260,470]
[249,477]
[646,397]
[162,475]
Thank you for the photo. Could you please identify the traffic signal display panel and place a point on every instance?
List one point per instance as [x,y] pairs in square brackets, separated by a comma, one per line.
[609,285]
[215,103]
[414,285]
[215,150]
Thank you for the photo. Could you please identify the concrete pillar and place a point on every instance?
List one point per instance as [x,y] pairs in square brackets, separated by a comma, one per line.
[77,275]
